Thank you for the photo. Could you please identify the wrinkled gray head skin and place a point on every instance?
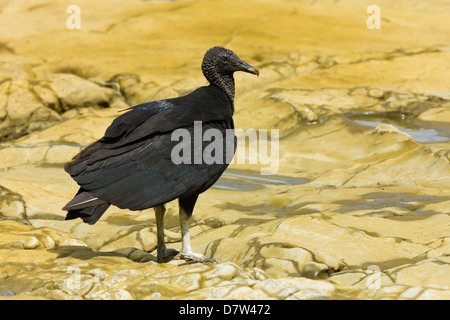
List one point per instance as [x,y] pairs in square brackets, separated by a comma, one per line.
[225,62]
[218,67]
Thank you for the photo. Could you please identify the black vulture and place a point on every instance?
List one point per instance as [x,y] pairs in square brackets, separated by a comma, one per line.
[131,166]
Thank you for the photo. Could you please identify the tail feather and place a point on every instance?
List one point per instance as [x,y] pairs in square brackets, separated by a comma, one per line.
[82,200]
[89,215]
[86,207]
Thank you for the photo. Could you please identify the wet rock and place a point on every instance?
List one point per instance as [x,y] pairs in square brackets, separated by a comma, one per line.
[384,128]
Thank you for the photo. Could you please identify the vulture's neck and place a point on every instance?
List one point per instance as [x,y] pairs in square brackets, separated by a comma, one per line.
[224,82]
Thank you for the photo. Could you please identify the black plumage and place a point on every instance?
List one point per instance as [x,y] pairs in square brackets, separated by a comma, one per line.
[131,166]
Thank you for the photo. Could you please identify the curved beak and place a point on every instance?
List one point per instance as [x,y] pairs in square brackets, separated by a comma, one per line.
[245,67]
[252,70]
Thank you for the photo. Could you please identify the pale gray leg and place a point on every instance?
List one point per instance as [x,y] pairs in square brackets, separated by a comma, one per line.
[162,252]
[186,250]
[185,237]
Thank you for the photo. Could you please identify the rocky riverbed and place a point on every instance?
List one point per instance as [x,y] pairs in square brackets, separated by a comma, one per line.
[357,205]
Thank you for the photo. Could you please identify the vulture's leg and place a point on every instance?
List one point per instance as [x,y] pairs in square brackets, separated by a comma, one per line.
[163,253]
[186,208]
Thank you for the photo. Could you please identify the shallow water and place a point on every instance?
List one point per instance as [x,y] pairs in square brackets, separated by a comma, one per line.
[6,294]
[246,180]
[421,131]
[380,200]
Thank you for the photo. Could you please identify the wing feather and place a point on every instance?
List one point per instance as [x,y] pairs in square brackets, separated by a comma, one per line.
[130,166]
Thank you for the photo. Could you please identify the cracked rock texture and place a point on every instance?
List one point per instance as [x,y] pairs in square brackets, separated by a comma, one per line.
[357,205]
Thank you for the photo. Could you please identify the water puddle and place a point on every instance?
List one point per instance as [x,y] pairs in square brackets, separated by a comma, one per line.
[246,180]
[6,294]
[236,185]
[421,131]
[380,200]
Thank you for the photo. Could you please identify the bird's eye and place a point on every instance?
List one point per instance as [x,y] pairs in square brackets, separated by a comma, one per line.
[224,59]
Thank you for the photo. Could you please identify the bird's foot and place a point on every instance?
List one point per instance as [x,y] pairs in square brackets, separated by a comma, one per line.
[192,257]
[166,255]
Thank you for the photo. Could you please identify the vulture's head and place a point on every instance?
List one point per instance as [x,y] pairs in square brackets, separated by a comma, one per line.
[219,62]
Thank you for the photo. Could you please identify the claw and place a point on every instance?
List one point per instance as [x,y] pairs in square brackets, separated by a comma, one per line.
[167,255]
[192,257]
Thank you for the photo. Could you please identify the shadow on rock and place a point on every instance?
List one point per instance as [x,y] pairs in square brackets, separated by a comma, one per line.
[85,253]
